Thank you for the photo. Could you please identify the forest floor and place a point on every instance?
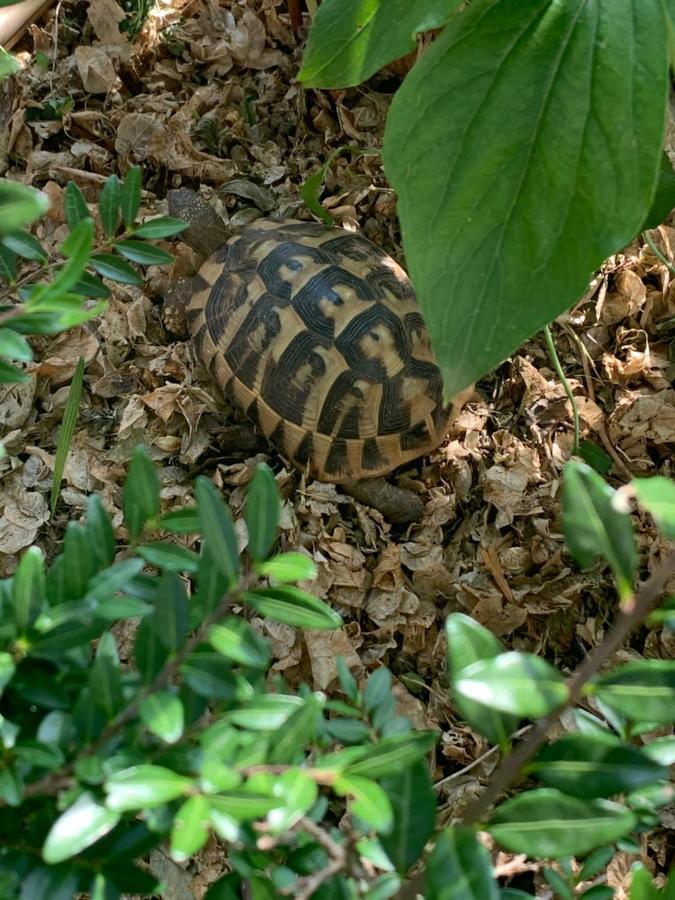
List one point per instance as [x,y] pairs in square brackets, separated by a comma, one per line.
[206,94]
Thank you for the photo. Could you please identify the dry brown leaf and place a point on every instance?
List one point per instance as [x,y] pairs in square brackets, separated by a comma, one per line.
[96,69]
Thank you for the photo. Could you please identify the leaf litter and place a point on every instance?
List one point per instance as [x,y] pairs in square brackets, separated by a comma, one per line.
[206,96]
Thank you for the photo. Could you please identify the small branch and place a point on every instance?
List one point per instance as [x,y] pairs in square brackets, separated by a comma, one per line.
[306,887]
[631,614]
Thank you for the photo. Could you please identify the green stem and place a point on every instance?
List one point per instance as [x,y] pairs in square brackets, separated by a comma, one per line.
[552,352]
[655,250]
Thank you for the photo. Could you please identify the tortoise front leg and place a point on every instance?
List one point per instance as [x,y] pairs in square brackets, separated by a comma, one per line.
[398,505]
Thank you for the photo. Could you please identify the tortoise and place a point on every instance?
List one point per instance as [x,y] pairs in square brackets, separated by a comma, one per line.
[316,334]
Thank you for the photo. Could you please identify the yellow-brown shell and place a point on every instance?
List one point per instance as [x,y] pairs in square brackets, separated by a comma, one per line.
[317,335]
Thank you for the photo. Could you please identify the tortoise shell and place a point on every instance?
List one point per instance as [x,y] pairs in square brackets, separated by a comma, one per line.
[317,336]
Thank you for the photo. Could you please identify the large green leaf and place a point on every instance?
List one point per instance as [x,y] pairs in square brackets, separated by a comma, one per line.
[80,826]
[548,823]
[351,39]
[468,642]
[518,683]
[459,868]
[414,804]
[594,527]
[524,147]
[587,765]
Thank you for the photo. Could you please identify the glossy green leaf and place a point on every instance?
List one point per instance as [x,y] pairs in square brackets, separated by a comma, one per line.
[115,269]
[79,560]
[594,526]
[171,557]
[468,642]
[519,167]
[261,512]
[130,197]
[91,286]
[643,691]
[595,862]
[70,416]
[293,607]
[460,868]
[162,713]
[369,801]
[171,611]
[109,204]
[105,681]
[144,787]
[149,651]
[414,806]
[518,683]
[288,567]
[377,689]
[80,826]
[657,496]
[143,254]
[140,496]
[238,642]
[299,793]
[664,198]
[7,669]
[642,887]
[559,884]
[392,754]
[548,823]
[29,589]
[19,204]
[350,40]
[181,521]
[161,227]
[217,530]
[266,712]
[8,264]
[25,245]
[191,828]
[14,346]
[74,205]
[585,765]
[242,805]
[100,531]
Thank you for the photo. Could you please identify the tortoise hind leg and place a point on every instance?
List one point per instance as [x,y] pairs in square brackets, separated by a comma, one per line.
[398,505]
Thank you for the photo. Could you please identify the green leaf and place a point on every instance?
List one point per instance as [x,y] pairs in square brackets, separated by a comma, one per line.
[171,612]
[99,529]
[190,828]
[559,885]
[29,592]
[519,167]
[243,805]
[7,669]
[109,205]
[74,205]
[161,227]
[162,713]
[140,495]
[299,729]
[8,264]
[79,560]
[585,765]
[91,286]
[144,254]
[414,806]
[24,245]
[181,521]
[10,374]
[115,269]
[369,801]
[80,826]
[149,651]
[664,198]
[144,787]
[171,557]
[548,823]
[460,867]
[595,457]
[9,65]
[595,526]
[468,642]
[266,712]
[643,691]
[657,496]
[217,529]
[70,416]
[392,754]
[518,683]
[130,198]
[288,567]
[293,607]
[235,640]
[299,793]
[261,512]
[19,204]
[642,887]
[377,689]
[14,345]
[350,40]
[105,681]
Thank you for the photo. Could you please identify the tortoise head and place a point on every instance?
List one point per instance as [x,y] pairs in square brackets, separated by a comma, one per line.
[206,231]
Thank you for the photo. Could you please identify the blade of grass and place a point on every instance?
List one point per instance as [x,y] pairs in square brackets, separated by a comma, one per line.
[67,429]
